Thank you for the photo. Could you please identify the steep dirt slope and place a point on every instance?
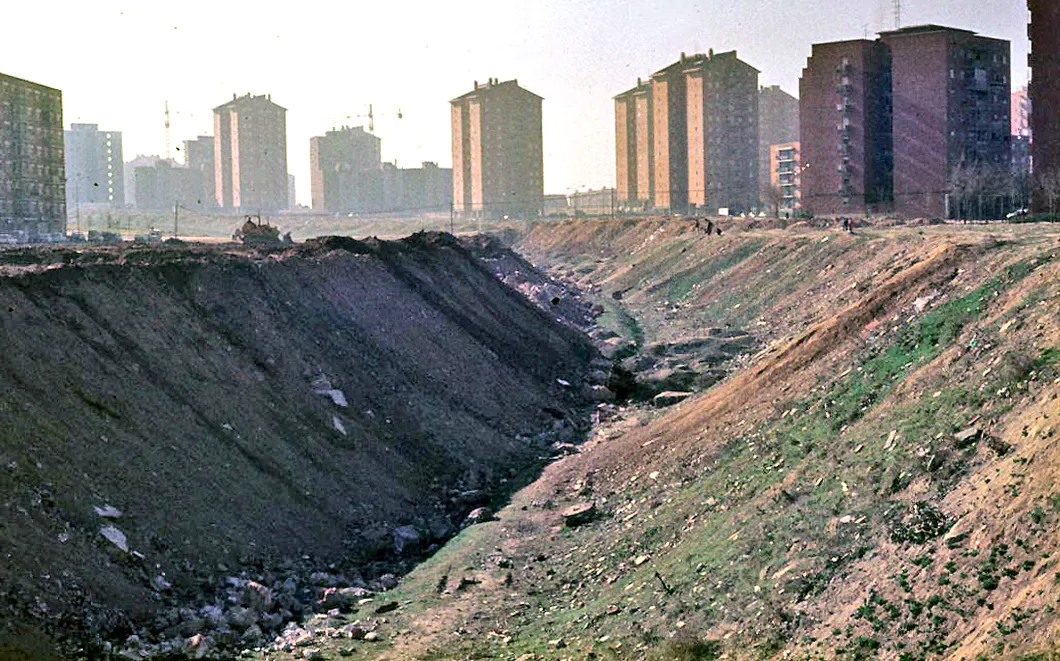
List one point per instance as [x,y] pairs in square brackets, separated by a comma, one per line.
[239,409]
[880,482]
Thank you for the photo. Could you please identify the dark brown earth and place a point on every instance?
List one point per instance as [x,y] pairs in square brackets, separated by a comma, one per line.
[177,385]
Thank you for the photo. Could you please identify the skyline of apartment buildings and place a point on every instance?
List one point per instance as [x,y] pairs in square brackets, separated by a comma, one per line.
[94,166]
[250,154]
[498,153]
[347,175]
[32,171]
[688,140]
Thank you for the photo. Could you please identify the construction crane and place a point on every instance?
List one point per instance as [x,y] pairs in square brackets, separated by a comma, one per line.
[371,117]
[167,132]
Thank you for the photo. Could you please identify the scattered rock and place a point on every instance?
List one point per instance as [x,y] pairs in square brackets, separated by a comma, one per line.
[670,397]
[578,515]
[386,607]
[601,393]
[564,449]
[257,596]
[466,582]
[160,584]
[108,512]
[406,539]
[386,582]
[337,424]
[115,537]
[479,515]
[968,438]
[354,631]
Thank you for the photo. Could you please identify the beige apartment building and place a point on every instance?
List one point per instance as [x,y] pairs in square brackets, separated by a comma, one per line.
[250,154]
[498,156]
[687,140]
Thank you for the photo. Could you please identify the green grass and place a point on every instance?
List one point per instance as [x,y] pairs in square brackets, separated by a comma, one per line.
[616,319]
[682,283]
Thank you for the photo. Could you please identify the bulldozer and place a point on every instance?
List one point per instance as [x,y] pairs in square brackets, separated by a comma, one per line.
[259,233]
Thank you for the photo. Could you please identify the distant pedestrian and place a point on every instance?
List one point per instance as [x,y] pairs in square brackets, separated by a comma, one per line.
[710,227]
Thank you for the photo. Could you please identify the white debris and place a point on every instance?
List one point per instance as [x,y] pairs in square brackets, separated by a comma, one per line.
[336,396]
[339,427]
[108,512]
[115,537]
[563,382]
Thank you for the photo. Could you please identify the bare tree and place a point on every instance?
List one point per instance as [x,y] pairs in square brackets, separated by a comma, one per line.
[773,197]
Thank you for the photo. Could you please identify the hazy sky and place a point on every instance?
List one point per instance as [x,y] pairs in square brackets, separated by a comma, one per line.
[118,61]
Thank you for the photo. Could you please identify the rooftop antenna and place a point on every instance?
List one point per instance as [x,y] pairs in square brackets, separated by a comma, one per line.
[897,14]
[168,157]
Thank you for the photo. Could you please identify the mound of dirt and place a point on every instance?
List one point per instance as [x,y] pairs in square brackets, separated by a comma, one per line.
[172,416]
[878,482]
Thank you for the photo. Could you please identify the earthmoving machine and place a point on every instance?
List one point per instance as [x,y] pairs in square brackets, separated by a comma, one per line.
[259,233]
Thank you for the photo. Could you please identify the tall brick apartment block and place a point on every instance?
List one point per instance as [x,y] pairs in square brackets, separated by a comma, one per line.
[669,147]
[699,151]
[722,95]
[634,146]
[845,118]
[344,168]
[1045,95]
[250,154]
[199,154]
[951,94]
[32,173]
[911,110]
[498,155]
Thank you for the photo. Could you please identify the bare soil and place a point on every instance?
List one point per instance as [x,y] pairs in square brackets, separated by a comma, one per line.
[245,409]
[878,481]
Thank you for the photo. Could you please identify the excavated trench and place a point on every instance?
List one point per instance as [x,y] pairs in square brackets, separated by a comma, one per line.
[204,445]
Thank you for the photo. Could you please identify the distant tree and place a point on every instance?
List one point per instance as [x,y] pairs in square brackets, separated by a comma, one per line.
[773,197]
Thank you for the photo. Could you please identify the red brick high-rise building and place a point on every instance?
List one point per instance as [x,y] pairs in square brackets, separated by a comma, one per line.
[250,154]
[845,117]
[498,154]
[1044,60]
[915,118]
[951,91]
[669,153]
